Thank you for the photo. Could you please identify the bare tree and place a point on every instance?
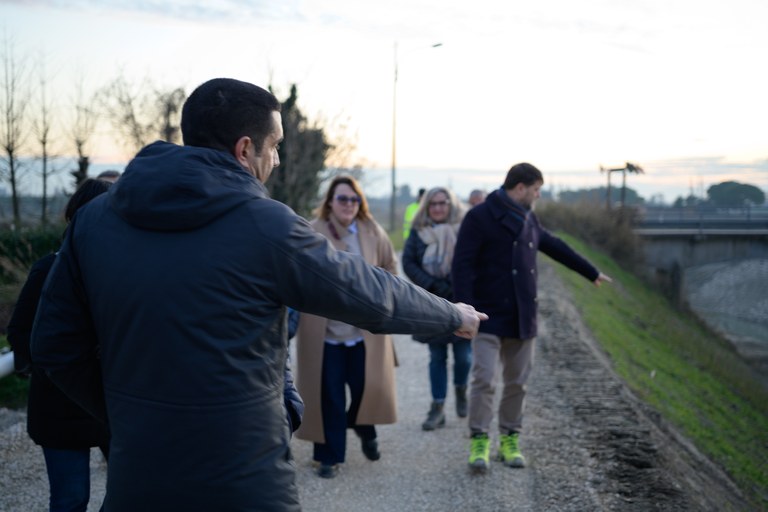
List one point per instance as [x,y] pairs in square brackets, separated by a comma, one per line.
[42,126]
[81,131]
[168,105]
[122,104]
[341,156]
[142,112]
[13,105]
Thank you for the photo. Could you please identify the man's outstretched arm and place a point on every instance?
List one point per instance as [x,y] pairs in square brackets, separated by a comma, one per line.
[470,320]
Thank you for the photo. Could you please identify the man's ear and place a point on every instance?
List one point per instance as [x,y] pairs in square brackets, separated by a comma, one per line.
[516,191]
[243,146]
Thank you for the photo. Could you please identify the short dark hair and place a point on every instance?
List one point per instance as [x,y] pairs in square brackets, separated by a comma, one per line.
[523,173]
[221,111]
[88,189]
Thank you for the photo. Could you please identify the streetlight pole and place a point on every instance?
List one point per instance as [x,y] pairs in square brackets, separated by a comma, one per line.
[392,202]
[394,148]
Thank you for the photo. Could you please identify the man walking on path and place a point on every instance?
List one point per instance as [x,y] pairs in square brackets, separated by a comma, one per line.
[494,269]
[165,312]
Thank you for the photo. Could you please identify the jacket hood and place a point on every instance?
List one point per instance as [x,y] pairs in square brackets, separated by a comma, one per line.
[172,188]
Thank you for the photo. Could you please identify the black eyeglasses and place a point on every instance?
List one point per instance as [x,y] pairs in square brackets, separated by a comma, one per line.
[347,199]
[438,203]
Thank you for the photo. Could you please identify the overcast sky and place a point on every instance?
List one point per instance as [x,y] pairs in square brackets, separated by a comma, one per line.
[676,86]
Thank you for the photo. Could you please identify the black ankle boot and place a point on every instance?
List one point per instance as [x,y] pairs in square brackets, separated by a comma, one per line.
[370,449]
[435,417]
[461,401]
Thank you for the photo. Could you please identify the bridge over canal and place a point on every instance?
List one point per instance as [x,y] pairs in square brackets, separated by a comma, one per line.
[719,269]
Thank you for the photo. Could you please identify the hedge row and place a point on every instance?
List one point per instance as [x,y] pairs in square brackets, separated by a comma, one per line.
[611,231]
[20,249]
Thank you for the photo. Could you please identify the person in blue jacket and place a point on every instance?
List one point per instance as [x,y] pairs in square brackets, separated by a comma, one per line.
[427,258]
[494,269]
[64,430]
[165,312]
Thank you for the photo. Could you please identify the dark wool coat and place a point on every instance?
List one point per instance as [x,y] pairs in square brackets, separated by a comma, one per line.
[179,278]
[53,420]
[494,264]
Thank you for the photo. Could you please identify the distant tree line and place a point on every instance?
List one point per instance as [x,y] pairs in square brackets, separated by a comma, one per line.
[728,194]
[42,134]
[597,196]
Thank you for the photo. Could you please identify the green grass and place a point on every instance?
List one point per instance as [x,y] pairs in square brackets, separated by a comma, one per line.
[674,363]
[13,392]
[396,238]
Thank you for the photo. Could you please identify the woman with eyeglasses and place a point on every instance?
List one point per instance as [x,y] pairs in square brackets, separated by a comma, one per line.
[427,259]
[332,355]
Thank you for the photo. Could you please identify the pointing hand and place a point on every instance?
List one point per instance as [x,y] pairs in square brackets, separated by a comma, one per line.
[602,278]
[470,320]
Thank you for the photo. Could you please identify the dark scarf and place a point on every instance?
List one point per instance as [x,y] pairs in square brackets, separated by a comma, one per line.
[514,208]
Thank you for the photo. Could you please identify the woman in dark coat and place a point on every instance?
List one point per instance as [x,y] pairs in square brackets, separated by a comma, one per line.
[427,259]
[62,428]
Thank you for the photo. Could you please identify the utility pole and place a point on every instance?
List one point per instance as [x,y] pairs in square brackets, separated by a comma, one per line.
[628,167]
[393,200]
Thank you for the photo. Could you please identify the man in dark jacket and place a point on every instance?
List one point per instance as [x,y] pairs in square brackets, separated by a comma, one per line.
[165,312]
[494,269]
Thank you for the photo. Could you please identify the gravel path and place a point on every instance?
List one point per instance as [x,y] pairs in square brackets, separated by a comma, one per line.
[589,443]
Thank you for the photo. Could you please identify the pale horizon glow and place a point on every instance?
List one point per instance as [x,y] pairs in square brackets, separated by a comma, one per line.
[676,87]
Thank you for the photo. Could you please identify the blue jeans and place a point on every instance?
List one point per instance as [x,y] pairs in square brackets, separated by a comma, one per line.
[69,476]
[438,366]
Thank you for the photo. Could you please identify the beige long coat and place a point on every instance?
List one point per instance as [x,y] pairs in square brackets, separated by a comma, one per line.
[379,403]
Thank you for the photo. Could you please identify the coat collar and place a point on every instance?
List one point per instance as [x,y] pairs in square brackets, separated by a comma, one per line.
[511,214]
[335,233]
[338,231]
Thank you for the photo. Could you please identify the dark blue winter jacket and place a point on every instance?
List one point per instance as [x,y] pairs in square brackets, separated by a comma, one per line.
[412,260]
[494,264]
[53,420]
[165,312]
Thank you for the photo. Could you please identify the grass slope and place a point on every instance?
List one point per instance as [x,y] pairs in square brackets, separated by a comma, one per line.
[674,363]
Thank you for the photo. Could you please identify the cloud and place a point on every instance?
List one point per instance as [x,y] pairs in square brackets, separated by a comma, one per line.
[213,11]
[711,166]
